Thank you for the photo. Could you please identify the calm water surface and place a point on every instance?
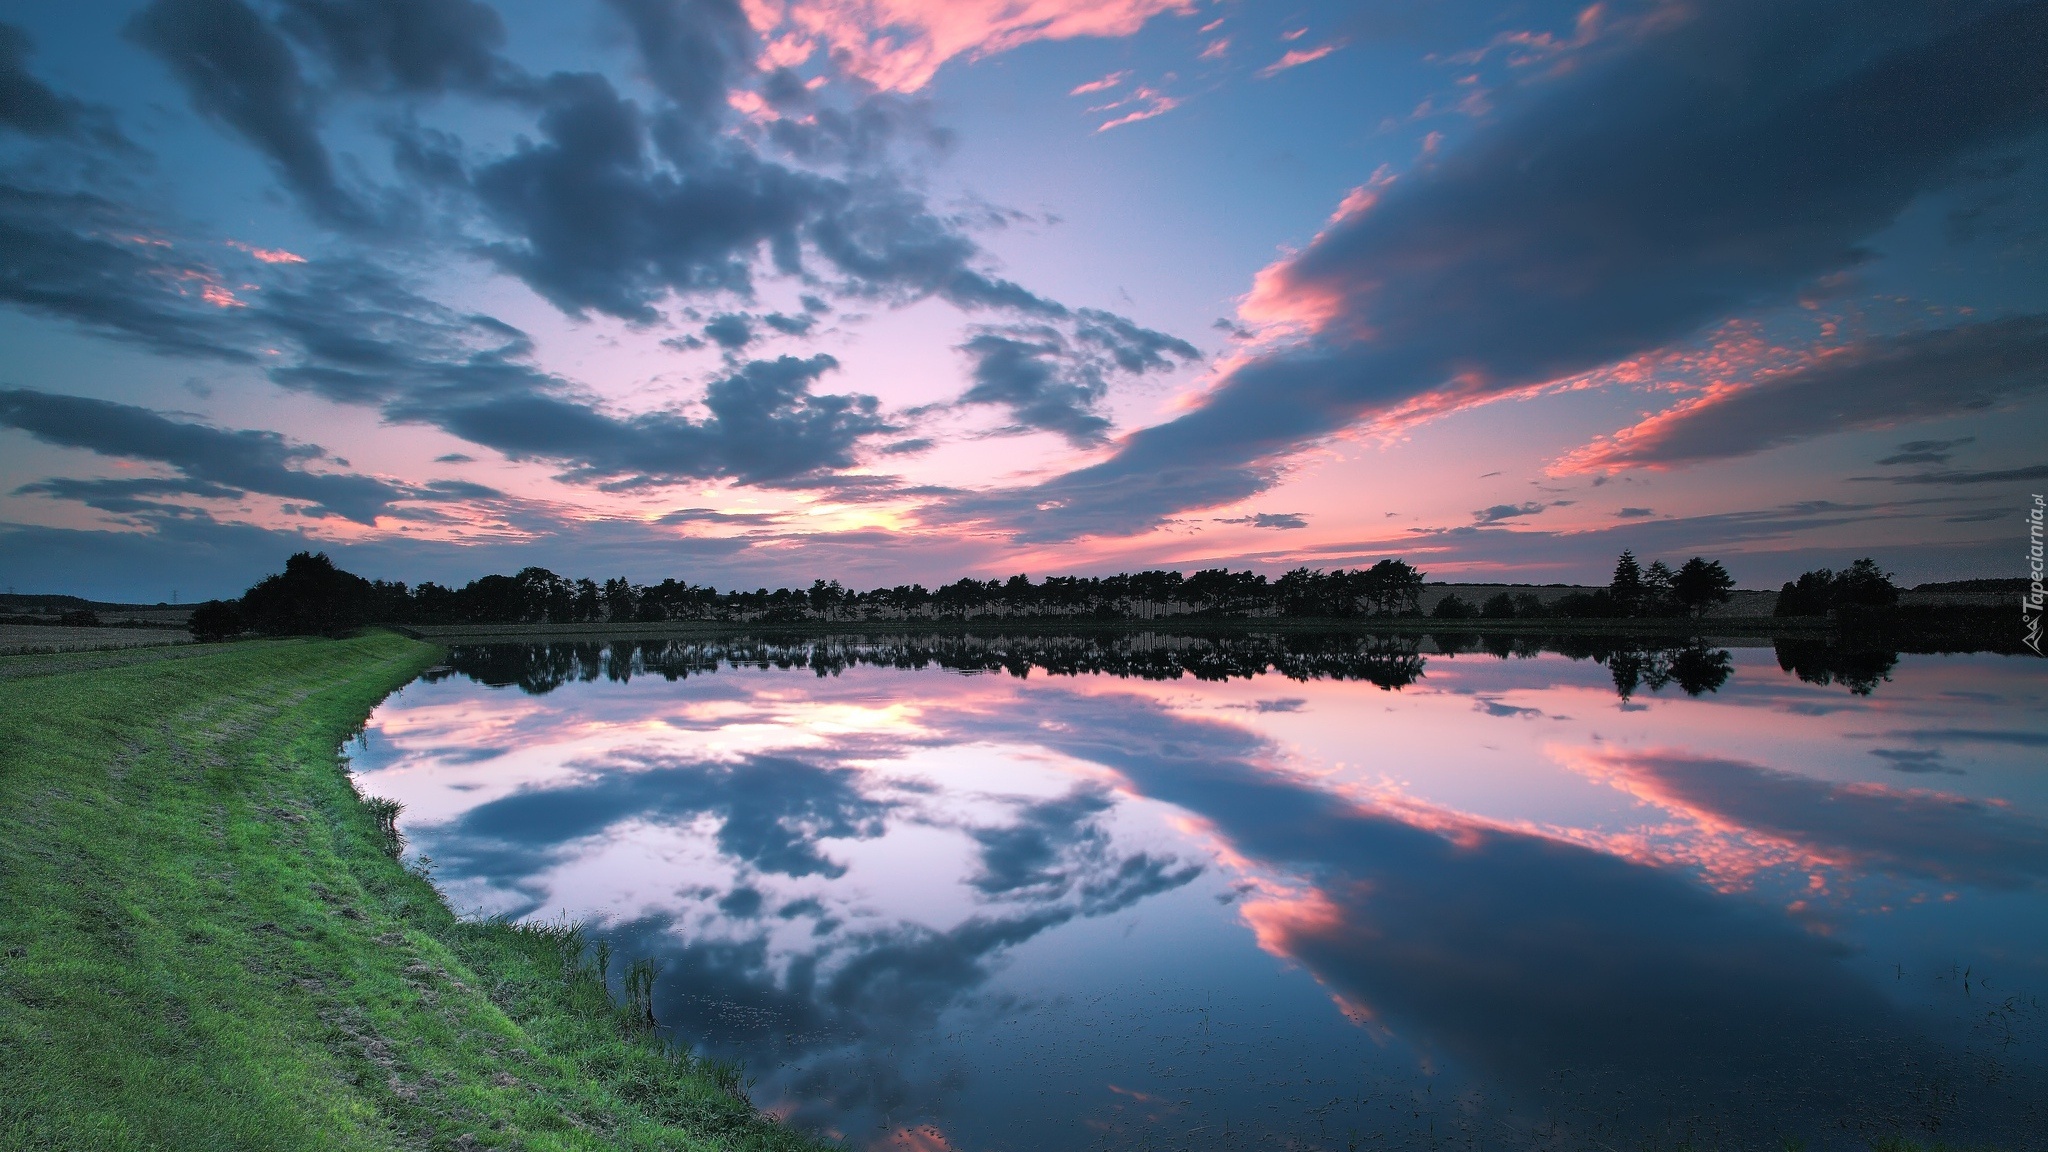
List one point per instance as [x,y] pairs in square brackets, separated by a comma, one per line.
[1342,893]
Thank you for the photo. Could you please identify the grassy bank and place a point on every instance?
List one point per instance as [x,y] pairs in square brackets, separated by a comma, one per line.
[206,942]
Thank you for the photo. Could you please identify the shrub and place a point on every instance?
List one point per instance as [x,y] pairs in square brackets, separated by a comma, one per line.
[214,621]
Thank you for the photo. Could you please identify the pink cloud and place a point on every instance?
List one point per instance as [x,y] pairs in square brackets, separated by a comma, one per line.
[1216,49]
[1155,103]
[1297,57]
[899,45]
[268,255]
[1102,85]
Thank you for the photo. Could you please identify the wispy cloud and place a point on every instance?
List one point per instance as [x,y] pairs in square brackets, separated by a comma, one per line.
[1102,85]
[1151,102]
[1295,58]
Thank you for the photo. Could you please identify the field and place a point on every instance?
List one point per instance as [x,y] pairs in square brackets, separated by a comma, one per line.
[207,939]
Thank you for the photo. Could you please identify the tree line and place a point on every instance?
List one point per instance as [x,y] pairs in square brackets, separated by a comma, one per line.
[314,597]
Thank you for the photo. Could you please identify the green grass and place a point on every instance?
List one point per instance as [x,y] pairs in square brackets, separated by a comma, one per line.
[206,943]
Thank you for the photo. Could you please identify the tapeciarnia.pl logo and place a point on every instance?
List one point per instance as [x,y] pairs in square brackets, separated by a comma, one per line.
[2030,605]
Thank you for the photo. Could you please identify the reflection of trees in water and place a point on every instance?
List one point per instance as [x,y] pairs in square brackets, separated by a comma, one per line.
[1821,661]
[1391,662]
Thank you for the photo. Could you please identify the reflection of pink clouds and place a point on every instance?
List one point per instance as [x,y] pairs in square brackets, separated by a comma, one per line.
[898,45]
[1740,819]
[923,1138]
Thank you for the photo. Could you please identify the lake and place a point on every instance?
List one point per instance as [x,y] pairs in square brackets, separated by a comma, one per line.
[1339,892]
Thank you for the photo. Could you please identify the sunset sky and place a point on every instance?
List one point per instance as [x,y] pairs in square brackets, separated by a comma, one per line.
[749,292]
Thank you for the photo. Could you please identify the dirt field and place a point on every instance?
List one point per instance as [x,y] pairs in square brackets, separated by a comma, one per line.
[21,639]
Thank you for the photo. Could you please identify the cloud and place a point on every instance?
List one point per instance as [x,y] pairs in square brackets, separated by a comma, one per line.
[92,261]
[28,105]
[1873,383]
[800,325]
[218,462]
[765,424]
[898,45]
[1282,520]
[1102,85]
[1151,102]
[1988,476]
[1550,243]
[694,52]
[729,331]
[1925,451]
[596,226]
[1296,57]
[1053,382]
[410,46]
[1500,512]
[1635,513]
[238,70]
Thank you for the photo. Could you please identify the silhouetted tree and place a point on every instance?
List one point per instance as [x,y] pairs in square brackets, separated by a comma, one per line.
[1499,606]
[311,597]
[214,621]
[1452,607]
[1626,588]
[1700,584]
[1862,586]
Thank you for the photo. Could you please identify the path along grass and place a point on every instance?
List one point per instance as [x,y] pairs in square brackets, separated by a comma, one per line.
[207,943]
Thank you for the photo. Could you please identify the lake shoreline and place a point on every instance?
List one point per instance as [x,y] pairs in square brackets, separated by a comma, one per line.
[210,941]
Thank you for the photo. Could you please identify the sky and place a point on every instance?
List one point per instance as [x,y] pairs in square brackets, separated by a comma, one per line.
[753,292]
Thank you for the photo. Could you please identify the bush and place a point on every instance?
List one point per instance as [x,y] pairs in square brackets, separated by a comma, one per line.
[80,618]
[310,598]
[1595,605]
[1452,607]
[1499,606]
[214,621]
[1861,586]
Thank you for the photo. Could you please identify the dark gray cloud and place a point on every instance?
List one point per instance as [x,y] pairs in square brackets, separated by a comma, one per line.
[1053,382]
[27,104]
[1925,451]
[413,46]
[1281,520]
[595,223]
[128,497]
[214,460]
[693,50]
[1500,512]
[765,425]
[90,260]
[1635,513]
[730,331]
[1028,371]
[1871,384]
[237,69]
[1985,476]
[1721,162]
[790,325]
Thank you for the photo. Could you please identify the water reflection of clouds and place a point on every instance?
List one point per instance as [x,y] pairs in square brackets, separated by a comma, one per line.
[1858,826]
[864,851]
